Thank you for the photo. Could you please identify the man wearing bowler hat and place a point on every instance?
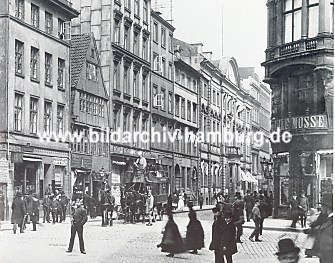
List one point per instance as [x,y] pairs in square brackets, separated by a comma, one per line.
[326,230]
[288,252]
[217,229]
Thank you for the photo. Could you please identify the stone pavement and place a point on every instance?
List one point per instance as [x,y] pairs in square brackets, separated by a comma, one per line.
[127,243]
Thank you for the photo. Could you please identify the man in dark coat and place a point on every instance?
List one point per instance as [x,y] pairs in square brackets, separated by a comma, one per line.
[238,216]
[294,209]
[35,211]
[64,201]
[195,233]
[46,208]
[78,220]
[18,212]
[201,200]
[325,238]
[217,228]
[256,217]
[228,243]
[249,203]
[171,241]
[264,209]
[28,202]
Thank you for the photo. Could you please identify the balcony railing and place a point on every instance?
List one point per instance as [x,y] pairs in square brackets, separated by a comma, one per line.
[69,3]
[324,41]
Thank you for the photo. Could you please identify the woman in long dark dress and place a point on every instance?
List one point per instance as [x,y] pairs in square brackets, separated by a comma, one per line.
[171,241]
[194,234]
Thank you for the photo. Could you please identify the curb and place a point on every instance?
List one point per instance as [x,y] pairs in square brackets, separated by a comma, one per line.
[280,229]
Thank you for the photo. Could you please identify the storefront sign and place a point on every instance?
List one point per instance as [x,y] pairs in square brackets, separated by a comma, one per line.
[60,161]
[28,148]
[4,171]
[116,179]
[311,122]
[81,161]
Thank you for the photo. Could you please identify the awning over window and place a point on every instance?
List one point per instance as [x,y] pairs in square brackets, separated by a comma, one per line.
[251,178]
[31,158]
[243,176]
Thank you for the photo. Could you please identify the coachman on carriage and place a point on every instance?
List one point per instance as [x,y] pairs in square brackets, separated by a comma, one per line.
[142,178]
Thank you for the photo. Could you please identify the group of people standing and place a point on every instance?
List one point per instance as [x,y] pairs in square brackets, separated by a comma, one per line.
[55,203]
[299,206]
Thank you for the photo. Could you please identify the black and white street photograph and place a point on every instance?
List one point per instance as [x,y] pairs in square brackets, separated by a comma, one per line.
[141,131]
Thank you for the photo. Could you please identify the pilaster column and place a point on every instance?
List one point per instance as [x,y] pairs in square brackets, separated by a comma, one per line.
[279,25]
[304,20]
[324,16]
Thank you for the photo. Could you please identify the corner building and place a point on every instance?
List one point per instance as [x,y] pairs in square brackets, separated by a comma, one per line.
[35,95]
[299,68]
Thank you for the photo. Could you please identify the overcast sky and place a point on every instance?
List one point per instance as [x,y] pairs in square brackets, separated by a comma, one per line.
[244,27]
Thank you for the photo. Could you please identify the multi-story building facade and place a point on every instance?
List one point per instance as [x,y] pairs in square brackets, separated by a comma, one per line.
[122,33]
[89,116]
[162,94]
[259,118]
[186,108]
[35,95]
[299,68]
[224,106]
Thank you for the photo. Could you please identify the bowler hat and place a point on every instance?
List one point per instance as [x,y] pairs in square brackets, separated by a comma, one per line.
[285,246]
[19,194]
[215,209]
[327,200]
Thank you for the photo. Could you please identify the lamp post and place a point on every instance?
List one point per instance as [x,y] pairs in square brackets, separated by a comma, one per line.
[267,167]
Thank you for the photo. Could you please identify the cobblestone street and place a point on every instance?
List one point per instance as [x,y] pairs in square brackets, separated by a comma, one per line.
[126,243]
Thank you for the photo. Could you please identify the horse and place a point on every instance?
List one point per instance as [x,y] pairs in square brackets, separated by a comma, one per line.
[106,206]
[140,203]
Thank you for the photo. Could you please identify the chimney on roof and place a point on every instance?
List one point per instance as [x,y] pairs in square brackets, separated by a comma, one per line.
[198,47]
[208,55]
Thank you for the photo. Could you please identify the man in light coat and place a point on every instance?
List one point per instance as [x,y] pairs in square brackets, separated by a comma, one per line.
[150,207]
[256,217]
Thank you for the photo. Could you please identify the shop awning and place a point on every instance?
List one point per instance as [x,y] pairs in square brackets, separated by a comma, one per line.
[243,176]
[251,179]
[81,171]
[30,158]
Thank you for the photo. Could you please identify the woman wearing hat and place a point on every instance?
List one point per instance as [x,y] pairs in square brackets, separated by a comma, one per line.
[195,233]
[18,212]
[288,252]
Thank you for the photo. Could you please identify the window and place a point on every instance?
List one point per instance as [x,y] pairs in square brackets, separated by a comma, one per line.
[189,83]
[163,37]
[214,97]
[126,124]
[164,67]
[182,79]
[33,115]
[170,71]
[177,76]
[19,51]
[145,49]
[48,68]
[188,110]
[136,44]
[145,89]
[18,112]
[19,9]
[127,4]
[116,76]
[126,37]
[116,32]
[155,32]
[170,103]
[156,62]
[313,18]
[154,93]
[163,99]
[48,22]
[194,85]
[194,112]
[61,28]
[170,42]
[292,20]
[60,119]
[145,11]
[136,126]
[135,84]
[136,7]
[82,102]
[91,72]
[61,71]
[126,80]
[183,108]
[35,17]
[218,98]
[34,62]
[177,105]
[47,116]
[116,122]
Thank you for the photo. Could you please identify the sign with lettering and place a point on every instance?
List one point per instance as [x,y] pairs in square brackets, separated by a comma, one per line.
[4,170]
[116,179]
[312,122]
[16,157]
[81,161]
[60,161]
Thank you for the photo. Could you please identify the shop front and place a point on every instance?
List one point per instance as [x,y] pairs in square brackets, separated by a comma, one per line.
[81,179]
